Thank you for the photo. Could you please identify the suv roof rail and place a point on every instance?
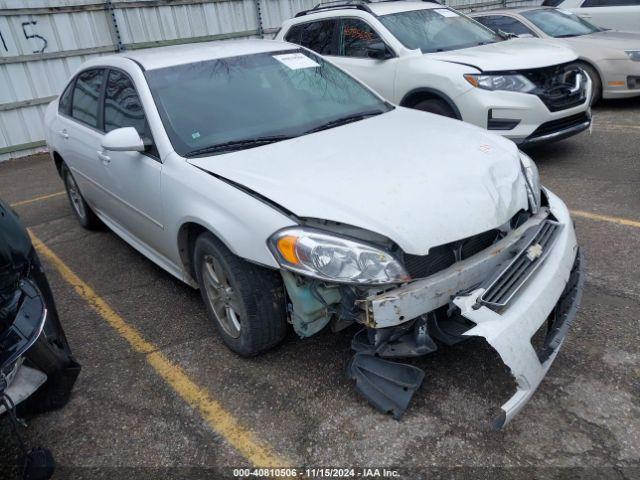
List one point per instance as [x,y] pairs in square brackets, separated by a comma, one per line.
[356,4]
[337,4]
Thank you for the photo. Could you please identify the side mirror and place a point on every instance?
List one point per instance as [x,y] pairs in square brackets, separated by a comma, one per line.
[378,51]
[124,139]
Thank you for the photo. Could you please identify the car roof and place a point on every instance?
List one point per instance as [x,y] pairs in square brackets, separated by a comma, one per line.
[160,57]
[384,7]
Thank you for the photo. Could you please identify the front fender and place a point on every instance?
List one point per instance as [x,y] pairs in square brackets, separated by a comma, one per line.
[438,76]
[240,220]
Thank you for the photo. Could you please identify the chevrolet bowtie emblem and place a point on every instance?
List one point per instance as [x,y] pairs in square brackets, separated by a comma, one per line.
[534,251]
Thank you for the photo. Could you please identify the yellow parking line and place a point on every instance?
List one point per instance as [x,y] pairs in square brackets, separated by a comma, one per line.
[242,439]
[605,218]
[37,199]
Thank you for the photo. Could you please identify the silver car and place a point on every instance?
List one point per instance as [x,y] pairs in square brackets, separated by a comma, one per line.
[611,58]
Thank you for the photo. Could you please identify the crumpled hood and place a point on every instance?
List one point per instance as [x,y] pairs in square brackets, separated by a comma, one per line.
[607,39]
[419,179]
[513,54]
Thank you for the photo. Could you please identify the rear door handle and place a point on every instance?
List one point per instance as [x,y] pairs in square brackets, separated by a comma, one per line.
[106,159]
[63,134]
[584,15]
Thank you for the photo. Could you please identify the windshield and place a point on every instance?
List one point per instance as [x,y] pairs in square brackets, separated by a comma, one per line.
[241,102]
[559,23]
[437,30]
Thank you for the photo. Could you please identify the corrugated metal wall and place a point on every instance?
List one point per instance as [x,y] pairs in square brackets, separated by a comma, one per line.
[43,41]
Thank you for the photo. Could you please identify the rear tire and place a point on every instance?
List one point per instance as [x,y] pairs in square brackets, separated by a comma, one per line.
[436,106]
[79,206]
[245,302]
[596,93]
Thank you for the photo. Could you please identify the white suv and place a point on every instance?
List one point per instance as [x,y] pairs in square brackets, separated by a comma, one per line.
[426,56]
[613,14]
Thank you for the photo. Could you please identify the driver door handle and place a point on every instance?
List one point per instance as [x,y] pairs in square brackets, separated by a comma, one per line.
[106,159]
[63,134]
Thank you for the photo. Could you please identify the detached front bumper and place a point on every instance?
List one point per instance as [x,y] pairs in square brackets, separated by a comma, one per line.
[549,296]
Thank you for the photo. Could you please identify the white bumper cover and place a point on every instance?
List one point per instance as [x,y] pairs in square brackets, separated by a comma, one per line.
[509,332]
[529,110]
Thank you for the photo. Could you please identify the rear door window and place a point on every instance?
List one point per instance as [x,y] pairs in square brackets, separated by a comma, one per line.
[505,24]
[86,95]
[318,36]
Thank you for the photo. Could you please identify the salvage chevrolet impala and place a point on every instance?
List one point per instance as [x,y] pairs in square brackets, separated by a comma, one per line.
[288,192]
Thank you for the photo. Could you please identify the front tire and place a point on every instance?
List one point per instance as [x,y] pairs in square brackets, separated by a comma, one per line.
[81,209]
[436,106]
[245,302]
[596,93]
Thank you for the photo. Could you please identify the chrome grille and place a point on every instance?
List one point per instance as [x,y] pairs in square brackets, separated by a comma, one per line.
[509,279]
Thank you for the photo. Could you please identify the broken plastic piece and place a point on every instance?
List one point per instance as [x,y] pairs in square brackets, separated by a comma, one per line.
[38,464]
[408,340]
[388,386]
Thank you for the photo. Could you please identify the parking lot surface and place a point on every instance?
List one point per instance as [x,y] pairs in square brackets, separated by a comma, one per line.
[160,394]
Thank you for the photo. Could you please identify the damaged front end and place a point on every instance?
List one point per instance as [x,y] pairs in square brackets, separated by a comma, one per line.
[517,284]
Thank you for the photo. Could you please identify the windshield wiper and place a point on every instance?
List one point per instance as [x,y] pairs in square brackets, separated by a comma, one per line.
[567,35]
[237,145]
[344,120]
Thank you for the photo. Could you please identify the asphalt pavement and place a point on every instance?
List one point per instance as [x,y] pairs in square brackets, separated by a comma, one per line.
[181,405]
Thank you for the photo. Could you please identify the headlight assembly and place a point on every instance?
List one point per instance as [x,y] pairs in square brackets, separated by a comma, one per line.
[334,258]
[633,55]
[532,177]
[510,83]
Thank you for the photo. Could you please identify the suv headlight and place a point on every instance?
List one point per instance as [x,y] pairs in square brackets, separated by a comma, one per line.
[532,177]
[510,83]
[325,256]
[633,55]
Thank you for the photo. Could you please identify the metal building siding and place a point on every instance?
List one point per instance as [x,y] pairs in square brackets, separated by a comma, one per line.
[150,24]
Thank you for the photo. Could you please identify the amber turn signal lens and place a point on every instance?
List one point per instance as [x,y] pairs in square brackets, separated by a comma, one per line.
[287,248]
[472,80]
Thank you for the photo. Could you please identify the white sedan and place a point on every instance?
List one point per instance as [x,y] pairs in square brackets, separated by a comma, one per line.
[614,14]
[286,191]
[610,58]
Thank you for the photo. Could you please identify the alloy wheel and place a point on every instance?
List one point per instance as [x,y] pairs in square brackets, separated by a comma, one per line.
[75,197]
[222,299]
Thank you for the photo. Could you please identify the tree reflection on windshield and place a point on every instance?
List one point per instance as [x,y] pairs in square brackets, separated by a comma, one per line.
[275,94]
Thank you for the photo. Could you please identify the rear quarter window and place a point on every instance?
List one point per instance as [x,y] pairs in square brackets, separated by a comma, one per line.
[64,104]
